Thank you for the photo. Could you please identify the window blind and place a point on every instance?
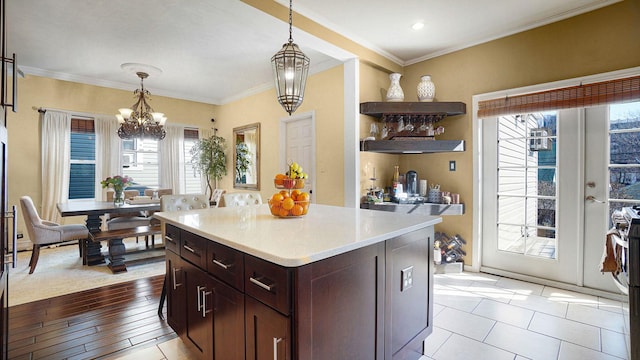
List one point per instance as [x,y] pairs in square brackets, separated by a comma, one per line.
[584,95]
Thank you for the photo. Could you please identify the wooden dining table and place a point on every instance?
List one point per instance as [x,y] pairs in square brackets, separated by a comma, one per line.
[93,210]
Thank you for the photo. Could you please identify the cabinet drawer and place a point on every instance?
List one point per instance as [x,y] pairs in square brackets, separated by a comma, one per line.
[226,264]
[268,282]
[193,249]
[172,238]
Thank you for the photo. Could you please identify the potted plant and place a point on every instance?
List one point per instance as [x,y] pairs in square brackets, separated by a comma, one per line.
[242,162]
[209,158]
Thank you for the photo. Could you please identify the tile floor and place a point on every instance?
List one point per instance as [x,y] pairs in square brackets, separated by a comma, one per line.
[480,316]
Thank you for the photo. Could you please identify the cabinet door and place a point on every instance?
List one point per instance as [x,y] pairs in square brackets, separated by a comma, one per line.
[199,327]
[268,333]
[175,292]
[228,321]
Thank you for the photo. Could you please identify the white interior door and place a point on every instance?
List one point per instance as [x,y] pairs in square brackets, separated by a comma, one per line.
[532,176]
[298,133]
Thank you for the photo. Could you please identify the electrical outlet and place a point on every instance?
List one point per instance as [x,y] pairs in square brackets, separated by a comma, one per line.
[406,276]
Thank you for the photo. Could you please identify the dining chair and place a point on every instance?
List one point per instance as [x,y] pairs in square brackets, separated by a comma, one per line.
[161,192]
[216,197]
[43,232]
[242,199]
[179,203]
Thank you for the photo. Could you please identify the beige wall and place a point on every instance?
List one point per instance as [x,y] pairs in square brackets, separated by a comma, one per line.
[592,43]
[324,95]
[24,126]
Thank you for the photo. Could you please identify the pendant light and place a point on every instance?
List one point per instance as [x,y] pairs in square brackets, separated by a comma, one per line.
[290,69]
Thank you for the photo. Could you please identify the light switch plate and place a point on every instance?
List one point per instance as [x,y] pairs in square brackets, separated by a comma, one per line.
[452,165]
[406,276]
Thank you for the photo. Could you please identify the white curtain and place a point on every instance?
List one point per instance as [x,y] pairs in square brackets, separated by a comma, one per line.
[108,151]
[56,153]
[204,134]
[172,159]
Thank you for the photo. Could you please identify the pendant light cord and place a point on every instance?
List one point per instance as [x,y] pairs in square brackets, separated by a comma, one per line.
[290,21]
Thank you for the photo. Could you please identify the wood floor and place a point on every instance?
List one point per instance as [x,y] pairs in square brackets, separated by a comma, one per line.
[94,324]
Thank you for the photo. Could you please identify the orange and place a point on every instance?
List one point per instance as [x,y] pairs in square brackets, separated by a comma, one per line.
[303,197]
[305,209]
[297,210]
[288,203]
[277,197]
[283,212]
[295,194]
[280,179]
[284,193]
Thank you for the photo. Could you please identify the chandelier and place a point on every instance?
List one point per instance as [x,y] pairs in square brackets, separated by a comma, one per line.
[140,121]
[290,68]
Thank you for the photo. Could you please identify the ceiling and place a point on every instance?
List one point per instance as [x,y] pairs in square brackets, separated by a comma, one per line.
[216,51]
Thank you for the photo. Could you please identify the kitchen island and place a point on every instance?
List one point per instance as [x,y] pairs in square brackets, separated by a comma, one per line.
[338,283]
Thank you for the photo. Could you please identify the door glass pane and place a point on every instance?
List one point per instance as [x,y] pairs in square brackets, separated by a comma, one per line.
[510,181]
[624,155]
[527,172]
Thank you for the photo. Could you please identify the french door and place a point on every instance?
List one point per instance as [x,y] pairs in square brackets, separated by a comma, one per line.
[550,182]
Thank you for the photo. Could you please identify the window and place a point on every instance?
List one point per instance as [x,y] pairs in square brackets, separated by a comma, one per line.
[140,161]
[192,177]
[83,159]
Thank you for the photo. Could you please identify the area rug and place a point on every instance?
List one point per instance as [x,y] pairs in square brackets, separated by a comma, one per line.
[60,271]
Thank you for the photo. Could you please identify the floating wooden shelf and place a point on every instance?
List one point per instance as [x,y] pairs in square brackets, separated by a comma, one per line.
[378,109]
[411,146]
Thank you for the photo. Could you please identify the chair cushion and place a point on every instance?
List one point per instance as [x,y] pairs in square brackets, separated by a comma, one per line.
[127,222]
[242,199]
[74,231]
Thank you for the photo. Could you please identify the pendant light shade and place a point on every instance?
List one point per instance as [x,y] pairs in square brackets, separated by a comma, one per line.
[290,69]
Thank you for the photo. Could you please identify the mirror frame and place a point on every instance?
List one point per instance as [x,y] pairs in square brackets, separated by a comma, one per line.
[237,131]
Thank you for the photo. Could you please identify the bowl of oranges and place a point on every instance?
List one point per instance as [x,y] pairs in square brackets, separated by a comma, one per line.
[287,204]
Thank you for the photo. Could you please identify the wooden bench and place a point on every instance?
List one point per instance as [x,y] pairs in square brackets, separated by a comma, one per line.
[116,246]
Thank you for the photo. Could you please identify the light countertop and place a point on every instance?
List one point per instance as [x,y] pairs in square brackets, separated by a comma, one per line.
[324,232]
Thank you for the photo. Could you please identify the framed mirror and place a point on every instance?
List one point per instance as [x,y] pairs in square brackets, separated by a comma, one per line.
[246,145]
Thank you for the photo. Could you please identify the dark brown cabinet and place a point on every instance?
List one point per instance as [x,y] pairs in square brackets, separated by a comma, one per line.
[176,296]
[268,333]
[369,303]
[203,311]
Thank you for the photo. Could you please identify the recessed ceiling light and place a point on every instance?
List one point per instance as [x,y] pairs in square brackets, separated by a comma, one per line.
[417,26]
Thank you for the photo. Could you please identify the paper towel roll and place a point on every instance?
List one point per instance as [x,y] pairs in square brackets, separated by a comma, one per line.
[423,187]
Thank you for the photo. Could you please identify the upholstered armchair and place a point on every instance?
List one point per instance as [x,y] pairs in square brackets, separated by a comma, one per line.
[43,232]
[242,199]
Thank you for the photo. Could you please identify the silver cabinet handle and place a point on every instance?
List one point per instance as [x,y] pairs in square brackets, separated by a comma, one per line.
[189,248]
[260,283]
[199,293]
[169,238]
[204,301]
[222,265]
[275,347]
[175,283]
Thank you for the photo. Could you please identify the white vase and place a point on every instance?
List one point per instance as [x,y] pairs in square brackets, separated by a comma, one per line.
[426,89]
[395,92]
